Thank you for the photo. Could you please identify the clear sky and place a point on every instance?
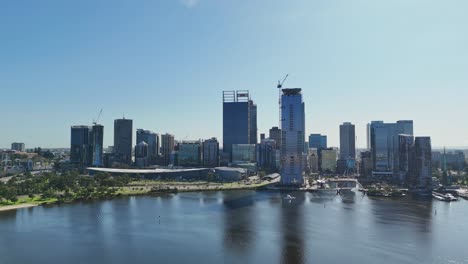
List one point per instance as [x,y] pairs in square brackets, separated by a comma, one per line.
[165,63]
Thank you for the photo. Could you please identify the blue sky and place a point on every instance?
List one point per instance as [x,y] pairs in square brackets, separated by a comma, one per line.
[165,63]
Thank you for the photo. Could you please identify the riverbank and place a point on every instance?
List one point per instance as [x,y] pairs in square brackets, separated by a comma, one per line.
[14,207]
[142,187]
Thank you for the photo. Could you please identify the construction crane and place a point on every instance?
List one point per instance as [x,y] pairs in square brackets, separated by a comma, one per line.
[95,121]
[279,86]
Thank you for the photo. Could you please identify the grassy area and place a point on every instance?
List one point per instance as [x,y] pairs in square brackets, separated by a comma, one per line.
[28,200]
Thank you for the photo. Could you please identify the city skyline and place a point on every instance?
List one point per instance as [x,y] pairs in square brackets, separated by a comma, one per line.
[357,66]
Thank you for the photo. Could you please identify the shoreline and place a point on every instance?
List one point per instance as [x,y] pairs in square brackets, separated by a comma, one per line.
[17,206]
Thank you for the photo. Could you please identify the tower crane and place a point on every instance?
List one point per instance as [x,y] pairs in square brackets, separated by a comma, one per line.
[95,121]
[279,86]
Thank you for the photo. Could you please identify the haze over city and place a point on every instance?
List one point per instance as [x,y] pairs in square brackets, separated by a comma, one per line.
[164,64]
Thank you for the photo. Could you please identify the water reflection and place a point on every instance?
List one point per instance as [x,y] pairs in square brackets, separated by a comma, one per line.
[292,228]
[238,224]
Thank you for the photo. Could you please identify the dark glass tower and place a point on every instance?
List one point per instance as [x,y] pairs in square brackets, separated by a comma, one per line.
[79,145]
[123,140]
[239,119]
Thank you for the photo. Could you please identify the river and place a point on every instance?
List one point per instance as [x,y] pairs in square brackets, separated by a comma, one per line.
[238,227]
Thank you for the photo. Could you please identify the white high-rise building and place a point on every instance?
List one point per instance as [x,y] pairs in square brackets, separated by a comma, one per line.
[292,137]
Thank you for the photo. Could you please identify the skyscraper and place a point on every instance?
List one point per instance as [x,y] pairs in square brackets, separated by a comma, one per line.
[275,134]
[189,154]
[317,141]
[292,137]
[406,157]
[211,153]
[167,146]
[123,140]
[253,122]
[347,141]
[152,139]
[239,119]
[384,144]
[96,139]
[79,146]
[423,163]
[266,154]
[141,154]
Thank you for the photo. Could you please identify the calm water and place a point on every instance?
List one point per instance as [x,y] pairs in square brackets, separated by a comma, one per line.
[238,227]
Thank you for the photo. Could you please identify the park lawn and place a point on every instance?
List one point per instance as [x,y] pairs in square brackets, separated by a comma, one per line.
[35,200]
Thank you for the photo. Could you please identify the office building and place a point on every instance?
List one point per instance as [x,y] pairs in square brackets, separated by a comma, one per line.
[96,141]
[328,160]
[292,137]
[266,154]
[142,154]
[123,140]
[167,147]
[275,134]
[253,122]
[347,141]
[365,164]
[243,153]
[317,141]
[152,139]
[313,160]
[189,154]
[211,153]
[423,163]
[239,119]
[406,157]
[18,147]
[262,136]
[79,146]
[384,145]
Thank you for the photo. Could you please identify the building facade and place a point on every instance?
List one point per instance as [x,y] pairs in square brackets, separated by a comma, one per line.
[18,147]
[275,134]
[96,139]
[317,141]
[167,147]
[347,141]
[292,137]
[189,154]
[266,154]
[236,119]
[328,160]
[210,153]
[384,145]
[142,154]
[123,140]
[152,139]
[79,146]
[243,153]
[423,163]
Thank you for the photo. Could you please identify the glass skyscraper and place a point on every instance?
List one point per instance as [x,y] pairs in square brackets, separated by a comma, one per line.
[239,119]
[347,141]
[292,137]
[96,142]
[317,141]
[79,145]
[152,139]
[384,144]
[123,140]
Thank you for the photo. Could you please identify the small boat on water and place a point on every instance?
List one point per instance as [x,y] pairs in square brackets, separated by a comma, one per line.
[289,197]
[448,197]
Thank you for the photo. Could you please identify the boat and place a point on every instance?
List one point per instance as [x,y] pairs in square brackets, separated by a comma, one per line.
[448,197]
[289,197]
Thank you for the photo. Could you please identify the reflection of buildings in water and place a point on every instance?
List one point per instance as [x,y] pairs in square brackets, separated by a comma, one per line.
[417,214]
[238,222]
[292,228]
